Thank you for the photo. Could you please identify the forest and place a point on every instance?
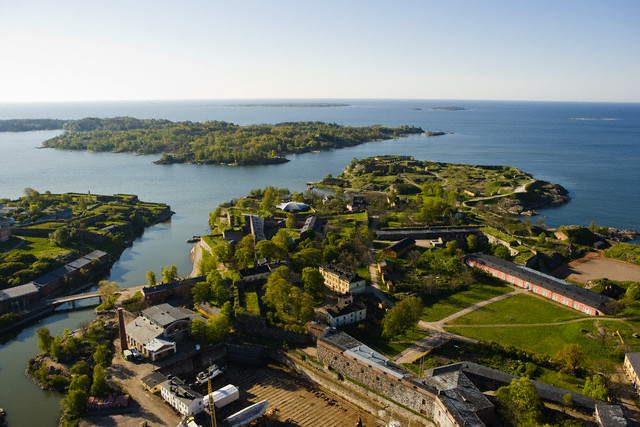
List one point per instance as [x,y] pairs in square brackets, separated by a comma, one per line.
[215,141]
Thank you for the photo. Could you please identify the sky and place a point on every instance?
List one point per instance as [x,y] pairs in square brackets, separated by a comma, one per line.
[86,50]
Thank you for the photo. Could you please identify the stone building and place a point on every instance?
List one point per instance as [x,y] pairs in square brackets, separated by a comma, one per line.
[341,280]
[448,398]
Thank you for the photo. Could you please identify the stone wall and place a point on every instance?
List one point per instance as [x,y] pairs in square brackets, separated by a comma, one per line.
[410,394]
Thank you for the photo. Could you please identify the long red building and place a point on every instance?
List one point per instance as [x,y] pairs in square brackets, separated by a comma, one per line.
[578,298]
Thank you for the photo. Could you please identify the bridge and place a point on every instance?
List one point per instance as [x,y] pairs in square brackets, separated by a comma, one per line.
[73,298]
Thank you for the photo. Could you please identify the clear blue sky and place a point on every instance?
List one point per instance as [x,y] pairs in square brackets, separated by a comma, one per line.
[80,50]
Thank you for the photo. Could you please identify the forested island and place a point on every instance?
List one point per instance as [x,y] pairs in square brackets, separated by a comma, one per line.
[215,142]
[29,125]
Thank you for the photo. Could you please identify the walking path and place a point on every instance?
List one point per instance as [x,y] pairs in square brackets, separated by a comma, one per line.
[438,336]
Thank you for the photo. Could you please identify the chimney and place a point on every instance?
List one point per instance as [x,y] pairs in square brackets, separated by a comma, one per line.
[123,335]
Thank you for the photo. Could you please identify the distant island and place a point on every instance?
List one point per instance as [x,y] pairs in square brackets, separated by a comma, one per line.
[294,104]
[29,125]
[593,118]
[447,108]
[215,142]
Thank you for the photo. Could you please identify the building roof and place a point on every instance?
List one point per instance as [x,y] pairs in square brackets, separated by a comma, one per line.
[342,273]
[545,281]
[634,360]
[18,291]
[80,263]
[97,254]
[345,309]
[153,379]
[254,271]
[181,391]
[158,343]
[163,315]
[401,245]
[142,330]
[354,348]
[610,415]
[293,206]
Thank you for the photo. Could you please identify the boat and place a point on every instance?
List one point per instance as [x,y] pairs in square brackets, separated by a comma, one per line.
[248,414]
[210,373]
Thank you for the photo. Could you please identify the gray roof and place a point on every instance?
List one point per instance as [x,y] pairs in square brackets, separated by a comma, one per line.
[165,314]
[634,359]
[181,391]
[542,280]
[153,379]
[344,309]
[18,291]
[142,330]
[344,274]
[610,415]
[354,348]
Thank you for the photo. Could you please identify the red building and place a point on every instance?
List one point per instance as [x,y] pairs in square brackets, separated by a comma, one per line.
[565,293]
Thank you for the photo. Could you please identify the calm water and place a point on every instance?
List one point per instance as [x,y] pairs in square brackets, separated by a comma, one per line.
[596,160]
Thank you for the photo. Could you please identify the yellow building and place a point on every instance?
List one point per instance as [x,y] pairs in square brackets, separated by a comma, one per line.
[341,280]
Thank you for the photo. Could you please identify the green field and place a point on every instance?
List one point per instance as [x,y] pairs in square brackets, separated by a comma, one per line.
[600,345]
[451,304]
[518,309]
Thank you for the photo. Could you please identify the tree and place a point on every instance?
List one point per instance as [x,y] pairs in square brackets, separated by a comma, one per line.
[44,338]
[519,403]
[80,368]
[151,278]
[106,290]
[596,387]
[570,357]
[633,291]
[100,387]
[75,404]
[80,382]
[102,355]
[169,274]
[473,243]
[403,316]
[502,251]
[291,221]
[313,282]
[201,292]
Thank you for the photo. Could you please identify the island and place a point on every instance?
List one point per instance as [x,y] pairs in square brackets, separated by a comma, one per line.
[447,108]
[55,244]
[215,142]
[406,289]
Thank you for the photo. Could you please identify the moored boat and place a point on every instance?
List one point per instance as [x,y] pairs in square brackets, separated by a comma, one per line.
[248,414]
[210,373]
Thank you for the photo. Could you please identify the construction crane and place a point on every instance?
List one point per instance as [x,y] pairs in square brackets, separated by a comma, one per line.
[212,407]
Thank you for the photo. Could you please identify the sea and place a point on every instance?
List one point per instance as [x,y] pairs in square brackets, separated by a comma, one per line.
[591,149]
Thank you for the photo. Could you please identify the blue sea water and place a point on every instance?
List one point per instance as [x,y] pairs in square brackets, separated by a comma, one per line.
[598,161]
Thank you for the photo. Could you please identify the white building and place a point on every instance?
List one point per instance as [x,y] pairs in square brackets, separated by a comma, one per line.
[341,280]
[181,397]
[346,312]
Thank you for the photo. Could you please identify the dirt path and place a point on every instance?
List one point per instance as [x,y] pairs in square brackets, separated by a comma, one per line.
[196,258]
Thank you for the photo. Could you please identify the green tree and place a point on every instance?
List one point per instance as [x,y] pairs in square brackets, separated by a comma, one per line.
[106,289]
[519,403]
[81,368]
[75,404]
[99,387]
[403,316]
[291,221]
[633,291]
[570,357]
[151,278]
[201,291]
[199,330]
[80,382]
[502,251]
[169,274]
[44,339]
[102,355]
[473,243]
[596,387]
[313,283]
[245,252]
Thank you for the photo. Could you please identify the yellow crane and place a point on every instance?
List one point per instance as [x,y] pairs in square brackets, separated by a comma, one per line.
[212,410]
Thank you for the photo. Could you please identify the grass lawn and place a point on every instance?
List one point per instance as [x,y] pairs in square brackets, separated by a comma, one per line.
[398,344]
[521,308]
[448,305]
[250,298]
[600,346]
[41,247]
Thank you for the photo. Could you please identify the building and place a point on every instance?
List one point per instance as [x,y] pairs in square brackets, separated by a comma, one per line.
[313,224]
[429,233]
[5,229]
[447,398]
[152,381]
[18,298]
[632,368]
[155,332]
[184,400]
[399,248]
[254,274]
[162,292]
[346,311]
[565,293]
[610,415]
[54,280]
[341,280]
